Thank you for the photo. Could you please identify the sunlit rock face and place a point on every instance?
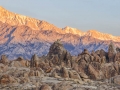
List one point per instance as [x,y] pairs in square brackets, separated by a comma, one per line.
[24,36]
[16,19]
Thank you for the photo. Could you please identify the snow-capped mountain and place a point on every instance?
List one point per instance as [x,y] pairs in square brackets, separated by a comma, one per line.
[72,31]
[24,36]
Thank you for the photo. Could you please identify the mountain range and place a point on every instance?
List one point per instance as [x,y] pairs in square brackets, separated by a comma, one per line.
[24,36]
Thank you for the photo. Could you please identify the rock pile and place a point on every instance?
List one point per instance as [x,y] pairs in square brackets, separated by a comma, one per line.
[61,71]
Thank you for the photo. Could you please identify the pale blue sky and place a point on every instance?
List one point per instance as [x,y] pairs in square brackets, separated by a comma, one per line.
[102,15]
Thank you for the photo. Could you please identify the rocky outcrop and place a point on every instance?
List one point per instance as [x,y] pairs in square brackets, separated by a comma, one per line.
[74,75]
[93,73]
[7,79]
[34,61]
[109,70]
[20,62]
[111,52]
[117,57]
[64,72]
[59,55]
[61,71]
[35,73]
[4,59]
[20,20]
[99,64]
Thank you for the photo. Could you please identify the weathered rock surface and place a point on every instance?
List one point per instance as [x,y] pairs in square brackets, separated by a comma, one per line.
[61,71]
[116,80]
[4,59]
[45,87]
[59,55]
[111,52]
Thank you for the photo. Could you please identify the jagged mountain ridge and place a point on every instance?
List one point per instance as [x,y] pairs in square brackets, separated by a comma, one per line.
[16,19]
[19,38]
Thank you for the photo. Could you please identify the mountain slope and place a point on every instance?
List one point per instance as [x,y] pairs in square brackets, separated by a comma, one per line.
[102,36]
[25,36]
[14,19]
[72,31]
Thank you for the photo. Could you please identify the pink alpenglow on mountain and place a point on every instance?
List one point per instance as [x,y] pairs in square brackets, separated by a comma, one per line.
[25,36]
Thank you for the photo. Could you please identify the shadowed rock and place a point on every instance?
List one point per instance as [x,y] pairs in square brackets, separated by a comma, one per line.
[64,72]
[4,59]
[45,87]
[58,54]
[111,52]
[34,61]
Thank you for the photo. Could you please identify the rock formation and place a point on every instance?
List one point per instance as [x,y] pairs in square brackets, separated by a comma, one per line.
[4,59]
[34,61]
[59,70]
[45,87]
[59,55]
[25,36]
[111,52]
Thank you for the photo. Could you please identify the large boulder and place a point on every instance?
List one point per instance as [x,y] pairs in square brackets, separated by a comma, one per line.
[97,58]
[85,52]
[23,62]
[34,61]
[19,62]
[96,65]
[58,54]
[116,65]
[35,73]
[116,80]
[102,53]
[84,55]
[15,64]
[56,72]
[7,79]
[87,58]
[4,79]
[62,86]
[46,68]
[93,73]
[83,75]
[74,75]
[109,70]
[82,66]
[64,72]
[103,60]
[97,52]
[4,59]
[45,87]
[75,66]
[111,52]
[117,57]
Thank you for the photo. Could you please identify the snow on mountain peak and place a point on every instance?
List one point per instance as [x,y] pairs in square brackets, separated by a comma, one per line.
[102,36]
[22,35]
[72,30]
[14,19]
